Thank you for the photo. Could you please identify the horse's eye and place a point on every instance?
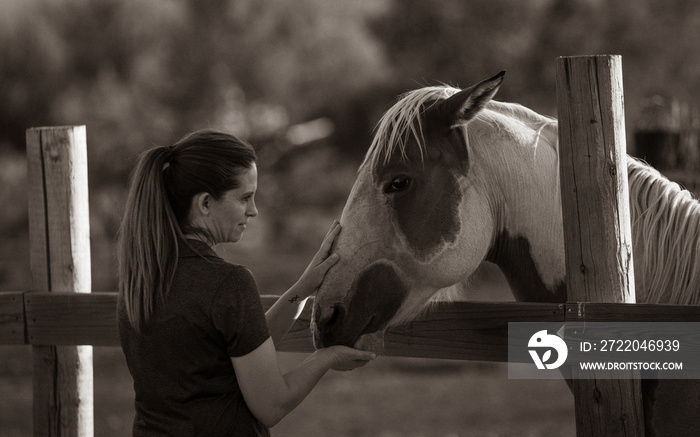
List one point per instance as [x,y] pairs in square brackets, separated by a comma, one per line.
[399,183]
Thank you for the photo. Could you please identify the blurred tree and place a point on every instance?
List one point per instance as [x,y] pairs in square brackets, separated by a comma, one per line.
[31,54]
[144,72]
[459,42]
[139,73]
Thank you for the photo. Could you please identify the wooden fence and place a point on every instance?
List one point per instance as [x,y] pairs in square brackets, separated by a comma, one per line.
[60,315]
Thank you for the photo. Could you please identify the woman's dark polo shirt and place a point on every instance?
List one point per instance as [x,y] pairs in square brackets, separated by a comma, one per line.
[183,377]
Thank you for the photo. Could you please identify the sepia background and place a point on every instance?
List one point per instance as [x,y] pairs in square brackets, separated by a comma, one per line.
[305,81]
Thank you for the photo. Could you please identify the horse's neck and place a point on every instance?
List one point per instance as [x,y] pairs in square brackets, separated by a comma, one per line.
[513,255]
[528,242]
[519,153]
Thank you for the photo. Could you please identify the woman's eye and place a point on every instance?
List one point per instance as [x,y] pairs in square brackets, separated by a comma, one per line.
[399,183]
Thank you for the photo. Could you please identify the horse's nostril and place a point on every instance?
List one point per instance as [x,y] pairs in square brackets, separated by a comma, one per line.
[328,324]
[337,314]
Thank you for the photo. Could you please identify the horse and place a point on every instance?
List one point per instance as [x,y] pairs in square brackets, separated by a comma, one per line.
[454,179]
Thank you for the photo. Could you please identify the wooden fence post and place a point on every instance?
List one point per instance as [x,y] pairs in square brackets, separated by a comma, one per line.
[59,237]
[595,205]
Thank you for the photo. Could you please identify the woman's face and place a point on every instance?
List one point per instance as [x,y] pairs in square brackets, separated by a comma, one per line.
[229,215]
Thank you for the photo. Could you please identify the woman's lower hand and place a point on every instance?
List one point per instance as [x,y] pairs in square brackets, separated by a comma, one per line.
[346,358]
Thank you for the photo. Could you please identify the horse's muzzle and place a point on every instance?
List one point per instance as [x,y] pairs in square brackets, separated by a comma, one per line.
[375,297]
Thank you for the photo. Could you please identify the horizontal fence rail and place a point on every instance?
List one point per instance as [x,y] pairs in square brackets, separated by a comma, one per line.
[455,330]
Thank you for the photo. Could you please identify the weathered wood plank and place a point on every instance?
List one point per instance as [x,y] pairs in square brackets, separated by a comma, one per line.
[12,318]
[594,189]
[467,330]
[458,330]
[72,318]
[60,262]
[628,312]
[597,229]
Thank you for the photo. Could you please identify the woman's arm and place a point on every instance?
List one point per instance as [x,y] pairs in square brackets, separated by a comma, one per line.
[282,314]
[270,395]
[286,310]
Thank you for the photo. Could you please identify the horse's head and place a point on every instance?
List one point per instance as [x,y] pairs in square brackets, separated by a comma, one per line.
[418,218]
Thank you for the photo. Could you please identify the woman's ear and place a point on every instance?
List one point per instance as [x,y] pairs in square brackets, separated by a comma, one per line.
[200,203]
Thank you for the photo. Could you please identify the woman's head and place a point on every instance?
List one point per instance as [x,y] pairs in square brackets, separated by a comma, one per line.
[222,219]
[204,162]
[210,179]
[197,186]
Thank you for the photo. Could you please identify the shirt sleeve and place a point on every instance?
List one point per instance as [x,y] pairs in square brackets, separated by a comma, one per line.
[238,313]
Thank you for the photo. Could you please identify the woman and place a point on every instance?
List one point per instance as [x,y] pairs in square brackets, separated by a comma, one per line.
[197,342]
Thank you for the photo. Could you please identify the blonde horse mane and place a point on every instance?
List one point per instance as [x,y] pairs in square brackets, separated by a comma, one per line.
[665,217]
[666,233]
[402,122]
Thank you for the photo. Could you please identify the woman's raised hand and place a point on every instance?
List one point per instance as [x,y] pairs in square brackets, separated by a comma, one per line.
[312,277]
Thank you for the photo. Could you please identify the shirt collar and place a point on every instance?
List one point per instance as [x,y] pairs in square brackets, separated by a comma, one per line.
[195,248]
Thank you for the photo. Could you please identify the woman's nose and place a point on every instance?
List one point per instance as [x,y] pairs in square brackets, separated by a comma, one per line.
[252,210]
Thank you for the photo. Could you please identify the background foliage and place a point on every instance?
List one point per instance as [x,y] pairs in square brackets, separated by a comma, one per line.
[143,73]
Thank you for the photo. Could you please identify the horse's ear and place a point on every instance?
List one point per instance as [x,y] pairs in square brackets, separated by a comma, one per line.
[464,105]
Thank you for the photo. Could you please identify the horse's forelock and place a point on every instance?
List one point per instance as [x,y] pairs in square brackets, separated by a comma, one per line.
[401,123]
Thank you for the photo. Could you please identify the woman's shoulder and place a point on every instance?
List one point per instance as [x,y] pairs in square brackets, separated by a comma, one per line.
[198,262]
[237,272]
[217,269]
[235,280]
[197,252]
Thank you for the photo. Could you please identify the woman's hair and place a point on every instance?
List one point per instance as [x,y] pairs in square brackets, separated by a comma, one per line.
[157,209]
